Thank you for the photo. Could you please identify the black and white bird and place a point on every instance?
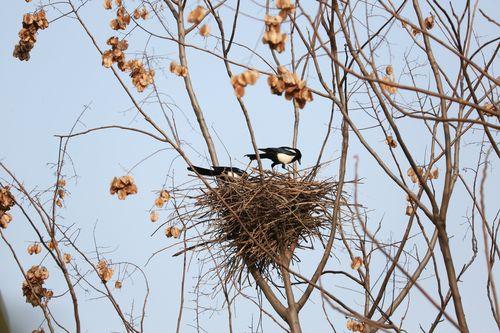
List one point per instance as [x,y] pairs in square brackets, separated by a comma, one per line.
[280,155]
[219,171]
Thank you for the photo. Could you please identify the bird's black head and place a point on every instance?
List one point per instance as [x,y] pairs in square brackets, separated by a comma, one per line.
[298,155]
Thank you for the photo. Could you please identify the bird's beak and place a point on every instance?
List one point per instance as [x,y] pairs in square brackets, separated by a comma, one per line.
[299,162]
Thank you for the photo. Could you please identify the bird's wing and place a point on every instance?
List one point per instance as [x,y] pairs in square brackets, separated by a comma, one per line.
[285,150]
[220,169]
[276,150]
[202,171]
[224,169]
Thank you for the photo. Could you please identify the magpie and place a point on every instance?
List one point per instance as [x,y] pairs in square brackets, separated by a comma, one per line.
[281,155]
[219,171]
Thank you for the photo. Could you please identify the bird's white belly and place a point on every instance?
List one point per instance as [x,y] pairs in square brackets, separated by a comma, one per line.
[284,158]
[233,175]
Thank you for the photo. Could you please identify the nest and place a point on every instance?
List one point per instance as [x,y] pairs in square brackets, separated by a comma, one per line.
[253,221]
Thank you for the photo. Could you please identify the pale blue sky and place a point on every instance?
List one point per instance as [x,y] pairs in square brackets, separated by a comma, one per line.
[44,96]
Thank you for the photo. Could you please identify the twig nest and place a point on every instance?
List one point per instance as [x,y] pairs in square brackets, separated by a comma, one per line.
[252,222]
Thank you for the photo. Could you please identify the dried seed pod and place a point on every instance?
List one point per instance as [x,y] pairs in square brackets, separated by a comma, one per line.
[165,195]
[6,199]
[386,87]
[159,202]
[205,30]
[27,35]
[284,4]
[391,142]
[168,231]
[33,288]
[294,88]
[137,14]
[104,271]
[491,109]
[5,219]
[118,284]
[176,232]
[355,326]
[356,263]
[197,15]
[154,216]
[178,69]
[409,210]
[239,82]
[108,4]
[432,174]
[34,249]
[123,186]
[429,22]
[67,258]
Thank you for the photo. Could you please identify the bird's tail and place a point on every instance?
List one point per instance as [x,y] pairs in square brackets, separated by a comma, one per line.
[253,157]
[202,171]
